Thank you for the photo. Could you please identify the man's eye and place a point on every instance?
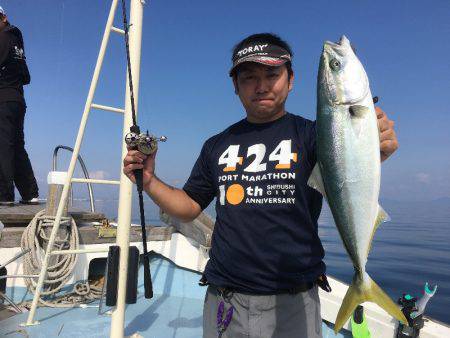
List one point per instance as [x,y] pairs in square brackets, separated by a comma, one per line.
[273,75]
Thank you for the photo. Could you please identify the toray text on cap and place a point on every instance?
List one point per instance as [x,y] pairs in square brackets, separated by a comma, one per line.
[255,48]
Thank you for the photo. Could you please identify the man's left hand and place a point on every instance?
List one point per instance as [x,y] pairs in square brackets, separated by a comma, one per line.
[388,138]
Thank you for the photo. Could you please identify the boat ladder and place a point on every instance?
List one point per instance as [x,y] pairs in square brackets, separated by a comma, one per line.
[125,191]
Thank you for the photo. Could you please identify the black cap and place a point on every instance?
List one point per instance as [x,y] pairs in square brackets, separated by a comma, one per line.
[260,52]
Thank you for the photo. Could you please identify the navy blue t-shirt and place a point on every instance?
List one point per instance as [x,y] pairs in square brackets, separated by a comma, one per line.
[265,237]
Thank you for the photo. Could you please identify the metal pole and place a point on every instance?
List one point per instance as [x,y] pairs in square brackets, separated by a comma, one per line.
[126,187]
[73,161]
[11,302]
[83,167]
[20,254]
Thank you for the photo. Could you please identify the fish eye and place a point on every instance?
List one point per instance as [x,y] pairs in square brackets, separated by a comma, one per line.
[335,64]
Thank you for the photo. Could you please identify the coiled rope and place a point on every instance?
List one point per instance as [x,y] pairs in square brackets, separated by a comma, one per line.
[60,268]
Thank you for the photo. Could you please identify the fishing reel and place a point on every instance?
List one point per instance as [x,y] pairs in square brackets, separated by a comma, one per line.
[145,143]
[412,328]
[413,310]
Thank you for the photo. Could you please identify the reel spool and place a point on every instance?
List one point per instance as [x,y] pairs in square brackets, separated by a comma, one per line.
[145,143]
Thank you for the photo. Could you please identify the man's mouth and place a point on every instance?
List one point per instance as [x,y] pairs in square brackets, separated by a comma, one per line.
[262,100]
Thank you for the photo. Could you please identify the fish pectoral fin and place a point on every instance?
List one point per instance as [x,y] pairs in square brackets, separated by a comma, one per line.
[358,111]
[315,181]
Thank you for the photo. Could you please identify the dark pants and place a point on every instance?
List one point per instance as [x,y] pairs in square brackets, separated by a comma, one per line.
[15,166]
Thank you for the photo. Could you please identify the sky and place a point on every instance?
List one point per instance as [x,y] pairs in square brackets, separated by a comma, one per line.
[186,94]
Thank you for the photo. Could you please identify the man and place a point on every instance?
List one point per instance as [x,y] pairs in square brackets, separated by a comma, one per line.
[266,255]
[15,166]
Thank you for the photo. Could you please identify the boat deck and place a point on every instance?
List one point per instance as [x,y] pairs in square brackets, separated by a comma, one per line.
[19,216]
[175,311]
[22,214]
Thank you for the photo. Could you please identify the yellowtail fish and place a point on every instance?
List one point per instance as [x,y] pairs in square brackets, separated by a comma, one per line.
[347,172]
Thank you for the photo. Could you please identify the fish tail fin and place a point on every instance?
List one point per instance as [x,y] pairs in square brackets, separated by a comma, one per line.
[364,289]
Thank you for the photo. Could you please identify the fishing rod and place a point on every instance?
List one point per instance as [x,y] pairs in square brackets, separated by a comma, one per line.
[147,144]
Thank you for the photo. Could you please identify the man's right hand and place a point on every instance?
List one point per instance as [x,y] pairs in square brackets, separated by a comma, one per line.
[173,201]
[137,160]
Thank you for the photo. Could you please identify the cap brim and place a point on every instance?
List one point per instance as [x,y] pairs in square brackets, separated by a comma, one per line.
[265,60]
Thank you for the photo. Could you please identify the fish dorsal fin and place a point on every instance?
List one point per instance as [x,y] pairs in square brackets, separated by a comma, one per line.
[382,217]
[315,181]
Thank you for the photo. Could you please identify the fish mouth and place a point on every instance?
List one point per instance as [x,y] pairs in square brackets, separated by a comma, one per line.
[342,45]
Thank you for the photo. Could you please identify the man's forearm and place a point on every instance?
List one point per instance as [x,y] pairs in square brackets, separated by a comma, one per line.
[172,201]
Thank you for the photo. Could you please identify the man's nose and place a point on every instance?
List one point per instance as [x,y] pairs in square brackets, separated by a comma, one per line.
[262,85]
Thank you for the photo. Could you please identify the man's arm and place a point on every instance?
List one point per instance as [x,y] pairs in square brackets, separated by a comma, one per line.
[388,138]
[172,201]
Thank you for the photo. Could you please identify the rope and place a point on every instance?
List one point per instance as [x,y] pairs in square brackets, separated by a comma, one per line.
[60,268]
[82,293]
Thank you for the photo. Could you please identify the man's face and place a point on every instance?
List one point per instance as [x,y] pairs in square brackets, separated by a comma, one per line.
[263,90]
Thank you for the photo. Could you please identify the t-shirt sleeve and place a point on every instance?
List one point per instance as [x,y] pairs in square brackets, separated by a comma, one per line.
[199,185]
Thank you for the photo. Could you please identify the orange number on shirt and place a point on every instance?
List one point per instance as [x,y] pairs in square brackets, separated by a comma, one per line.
[230,158]
[283,155]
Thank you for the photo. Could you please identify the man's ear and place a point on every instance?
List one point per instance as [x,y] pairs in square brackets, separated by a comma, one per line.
[291,82]
[236,86]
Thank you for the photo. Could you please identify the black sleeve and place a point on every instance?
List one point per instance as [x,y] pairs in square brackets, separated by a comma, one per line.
[4,47]
[200,186]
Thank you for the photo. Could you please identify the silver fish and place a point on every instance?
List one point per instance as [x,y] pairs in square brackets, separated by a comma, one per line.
[347,172]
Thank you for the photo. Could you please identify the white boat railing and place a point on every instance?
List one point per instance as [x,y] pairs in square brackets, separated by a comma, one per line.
[125,194]
[83,168]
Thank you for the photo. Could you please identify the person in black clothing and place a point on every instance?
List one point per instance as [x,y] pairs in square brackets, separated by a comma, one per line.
[15,166]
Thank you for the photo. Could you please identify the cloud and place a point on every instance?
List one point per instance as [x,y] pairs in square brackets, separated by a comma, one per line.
[422,177]
[99,174]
